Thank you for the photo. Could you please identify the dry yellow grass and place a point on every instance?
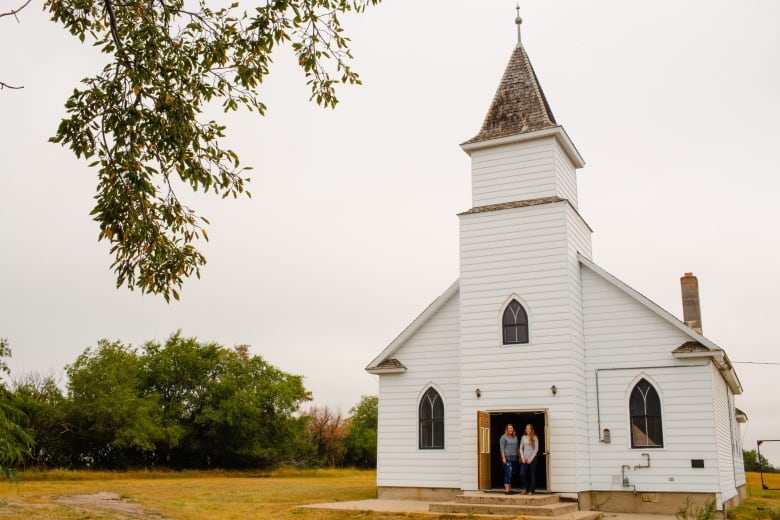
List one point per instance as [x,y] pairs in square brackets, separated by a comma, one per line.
[204,496]
[235,495]
[772,480]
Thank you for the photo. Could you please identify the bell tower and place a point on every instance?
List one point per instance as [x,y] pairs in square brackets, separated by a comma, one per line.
[518,246]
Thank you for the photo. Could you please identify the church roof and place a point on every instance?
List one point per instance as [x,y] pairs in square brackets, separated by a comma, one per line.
[519,105]
[696,347]
[513,204]
[380,363]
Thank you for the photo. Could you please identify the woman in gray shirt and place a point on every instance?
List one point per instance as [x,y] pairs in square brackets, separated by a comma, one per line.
[529,447]
[509,445]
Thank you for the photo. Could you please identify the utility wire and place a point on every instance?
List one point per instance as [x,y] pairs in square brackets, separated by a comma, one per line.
[757,362]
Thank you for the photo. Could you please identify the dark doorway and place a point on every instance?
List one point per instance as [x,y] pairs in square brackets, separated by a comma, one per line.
[498,422]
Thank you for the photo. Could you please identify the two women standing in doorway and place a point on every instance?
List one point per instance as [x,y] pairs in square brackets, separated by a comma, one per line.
[523,450]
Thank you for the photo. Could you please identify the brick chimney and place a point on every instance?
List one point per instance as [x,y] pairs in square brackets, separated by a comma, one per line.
[690,299]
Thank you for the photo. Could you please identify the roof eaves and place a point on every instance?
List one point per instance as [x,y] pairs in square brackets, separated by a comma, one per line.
[513,204]
[524,204]
[556,131]
[388,366]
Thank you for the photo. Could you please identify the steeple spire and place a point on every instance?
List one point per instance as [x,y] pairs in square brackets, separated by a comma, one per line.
[519,105]
[518,21]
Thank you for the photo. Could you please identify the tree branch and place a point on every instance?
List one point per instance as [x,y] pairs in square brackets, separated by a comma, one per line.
[6,85]
[112,24]
[13,12]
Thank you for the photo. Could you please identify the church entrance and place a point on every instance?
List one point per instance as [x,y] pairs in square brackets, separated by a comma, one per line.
[491,426]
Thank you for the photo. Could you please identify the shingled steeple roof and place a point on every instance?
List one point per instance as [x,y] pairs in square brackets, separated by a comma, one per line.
[519,106]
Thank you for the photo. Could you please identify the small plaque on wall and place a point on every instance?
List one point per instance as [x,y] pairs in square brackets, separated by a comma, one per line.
[697,463]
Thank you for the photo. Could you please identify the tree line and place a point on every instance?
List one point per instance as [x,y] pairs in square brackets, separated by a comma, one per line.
[180,404]
[754,461]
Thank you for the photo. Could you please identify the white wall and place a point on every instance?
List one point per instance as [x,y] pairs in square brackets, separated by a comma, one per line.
[729,455]
[522,171]
[522,253]
[579,243]
[431,357]
[624,342]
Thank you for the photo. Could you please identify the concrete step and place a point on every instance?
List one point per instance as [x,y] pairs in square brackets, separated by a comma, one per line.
[505,507]
[500,498]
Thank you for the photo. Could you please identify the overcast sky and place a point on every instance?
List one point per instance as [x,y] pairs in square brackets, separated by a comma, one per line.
[352,230]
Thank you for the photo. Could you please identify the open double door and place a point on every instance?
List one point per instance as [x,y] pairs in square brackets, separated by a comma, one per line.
[490,428]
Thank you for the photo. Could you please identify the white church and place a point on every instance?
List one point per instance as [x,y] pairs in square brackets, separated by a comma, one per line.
[634,408]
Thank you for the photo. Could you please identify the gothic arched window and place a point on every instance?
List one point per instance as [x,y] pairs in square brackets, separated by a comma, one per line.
[515,324]
[431,420]
[645,408]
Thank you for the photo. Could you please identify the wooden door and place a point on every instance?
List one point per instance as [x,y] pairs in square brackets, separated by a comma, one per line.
[546,451]
[483,447]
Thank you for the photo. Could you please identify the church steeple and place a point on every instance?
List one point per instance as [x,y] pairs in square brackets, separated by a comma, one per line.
[519,105]
[521,153]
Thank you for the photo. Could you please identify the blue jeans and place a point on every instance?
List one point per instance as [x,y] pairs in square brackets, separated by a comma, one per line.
[528,476]
[509,469]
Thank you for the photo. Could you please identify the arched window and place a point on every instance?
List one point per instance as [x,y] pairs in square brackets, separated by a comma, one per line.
[645,408]
[515,324]
[431,420]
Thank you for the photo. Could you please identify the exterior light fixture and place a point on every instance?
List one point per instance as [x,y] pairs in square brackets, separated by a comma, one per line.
[478,393]
[554,390]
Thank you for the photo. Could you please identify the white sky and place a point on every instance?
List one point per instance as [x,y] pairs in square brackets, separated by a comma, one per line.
[352,230]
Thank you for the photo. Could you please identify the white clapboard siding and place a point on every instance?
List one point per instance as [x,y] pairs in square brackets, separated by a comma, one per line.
[739,462]
[566,178]
[579,242]
[431,358]
[725,427]
[522,171]
[529,253]
[626,341]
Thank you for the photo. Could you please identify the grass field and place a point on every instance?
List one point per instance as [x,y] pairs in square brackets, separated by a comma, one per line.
[187,496]
[223,495]
[761,504]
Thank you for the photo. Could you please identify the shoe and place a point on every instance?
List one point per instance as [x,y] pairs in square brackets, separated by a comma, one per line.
[523,492]
[530,492]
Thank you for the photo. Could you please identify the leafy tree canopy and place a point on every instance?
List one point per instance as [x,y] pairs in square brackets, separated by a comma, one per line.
[115,421]
[184,404]
[362,438]
[755,462]
[47,421]
[140,120]
[15,443]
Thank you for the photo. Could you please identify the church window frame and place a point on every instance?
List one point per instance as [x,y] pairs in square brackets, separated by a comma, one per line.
[430,412]
[645,416]
[515,329]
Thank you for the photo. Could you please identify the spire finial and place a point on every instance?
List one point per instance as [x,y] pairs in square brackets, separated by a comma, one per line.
[518,21]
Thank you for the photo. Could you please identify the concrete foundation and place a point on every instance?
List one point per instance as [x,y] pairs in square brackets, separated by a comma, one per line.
[650,502]
[657,503]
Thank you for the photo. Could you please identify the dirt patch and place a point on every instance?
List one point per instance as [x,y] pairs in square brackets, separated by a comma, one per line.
[109,502]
